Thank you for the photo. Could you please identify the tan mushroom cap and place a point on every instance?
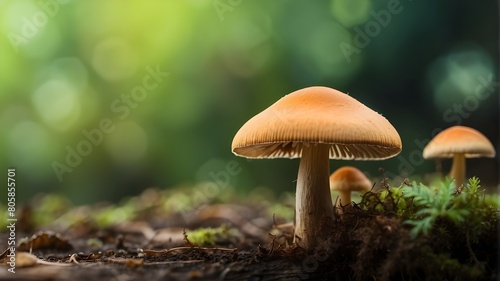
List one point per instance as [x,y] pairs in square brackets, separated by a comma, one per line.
[349,178]
[459,139]
[317,115]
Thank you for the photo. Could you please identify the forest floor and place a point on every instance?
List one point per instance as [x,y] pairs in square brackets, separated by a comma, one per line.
[249,239]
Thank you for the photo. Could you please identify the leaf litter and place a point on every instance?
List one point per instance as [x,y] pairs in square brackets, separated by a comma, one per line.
[244,240]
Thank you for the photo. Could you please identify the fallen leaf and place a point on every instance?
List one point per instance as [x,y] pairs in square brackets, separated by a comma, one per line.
[45,240]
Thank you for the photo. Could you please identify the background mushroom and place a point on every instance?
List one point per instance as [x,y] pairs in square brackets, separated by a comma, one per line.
[315,124]
[345,180]
[459,142]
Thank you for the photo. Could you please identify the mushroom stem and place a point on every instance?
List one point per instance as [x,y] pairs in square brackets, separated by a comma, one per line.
[458,169]
[344,199]
[313,206]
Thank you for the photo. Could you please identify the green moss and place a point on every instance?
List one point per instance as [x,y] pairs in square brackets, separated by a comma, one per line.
[210,236]
[113,215]
[452,232]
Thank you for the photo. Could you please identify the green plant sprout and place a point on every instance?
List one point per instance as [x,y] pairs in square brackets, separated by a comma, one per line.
[467,206]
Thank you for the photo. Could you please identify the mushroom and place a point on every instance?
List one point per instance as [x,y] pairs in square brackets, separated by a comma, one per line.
[345,180]
[459,142]
[315,124]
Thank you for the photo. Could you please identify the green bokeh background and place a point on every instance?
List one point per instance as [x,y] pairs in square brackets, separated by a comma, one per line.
[64,63]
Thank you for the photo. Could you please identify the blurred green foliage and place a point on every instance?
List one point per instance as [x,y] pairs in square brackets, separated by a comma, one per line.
[209,236]
[73,69]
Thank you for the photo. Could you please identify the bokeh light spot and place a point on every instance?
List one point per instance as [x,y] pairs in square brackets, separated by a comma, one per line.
[351,12]
[114,59]
[322,48]
[31,30]
[58,104]
[454,77]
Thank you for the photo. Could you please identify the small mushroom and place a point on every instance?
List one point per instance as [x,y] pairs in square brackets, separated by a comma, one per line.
[315,124]
[345,180]
[459,142]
